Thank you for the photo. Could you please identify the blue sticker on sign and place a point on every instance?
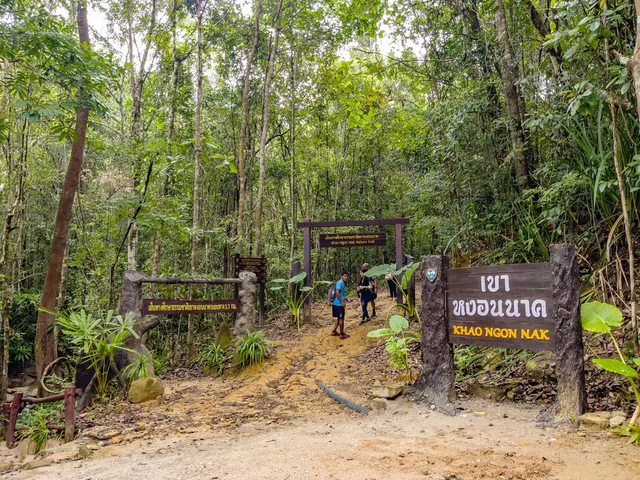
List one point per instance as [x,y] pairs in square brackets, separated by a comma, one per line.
[432,273]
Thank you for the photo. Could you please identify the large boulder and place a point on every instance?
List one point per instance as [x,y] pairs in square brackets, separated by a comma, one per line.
[145,389]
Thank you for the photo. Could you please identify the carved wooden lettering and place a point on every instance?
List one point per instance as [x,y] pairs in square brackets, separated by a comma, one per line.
[161,306]
[501,306]
[370,239]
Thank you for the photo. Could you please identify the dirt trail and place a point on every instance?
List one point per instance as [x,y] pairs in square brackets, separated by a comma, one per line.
[272,421]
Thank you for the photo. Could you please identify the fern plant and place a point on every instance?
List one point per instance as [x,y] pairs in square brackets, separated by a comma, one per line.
[252,348]
[212,357]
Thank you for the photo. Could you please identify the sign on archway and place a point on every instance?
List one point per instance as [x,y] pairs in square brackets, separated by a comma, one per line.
[368,239]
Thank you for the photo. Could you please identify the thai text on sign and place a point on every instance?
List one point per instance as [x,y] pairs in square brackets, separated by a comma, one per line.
[501,306]
[371,239]
[155,306]
[252,264]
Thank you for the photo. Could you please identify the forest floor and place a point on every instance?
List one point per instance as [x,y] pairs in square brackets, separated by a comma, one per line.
[272,421]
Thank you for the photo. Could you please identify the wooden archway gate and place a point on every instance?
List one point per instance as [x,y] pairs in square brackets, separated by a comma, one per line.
[307,225]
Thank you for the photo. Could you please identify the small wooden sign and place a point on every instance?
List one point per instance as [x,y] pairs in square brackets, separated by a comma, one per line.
[161,306]
[369,239]
[252,264]
[501,306]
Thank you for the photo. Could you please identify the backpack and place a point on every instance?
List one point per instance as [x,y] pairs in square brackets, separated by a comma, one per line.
[332,293]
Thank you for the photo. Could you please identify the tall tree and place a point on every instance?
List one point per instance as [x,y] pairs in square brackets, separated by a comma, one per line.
[510,73]
[197,152]
[265,130]
[45,344]
[242,176]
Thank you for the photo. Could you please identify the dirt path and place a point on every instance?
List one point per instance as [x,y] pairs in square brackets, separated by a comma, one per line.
[273,422]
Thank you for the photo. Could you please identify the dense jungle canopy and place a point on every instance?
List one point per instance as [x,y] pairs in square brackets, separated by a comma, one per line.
[212,127]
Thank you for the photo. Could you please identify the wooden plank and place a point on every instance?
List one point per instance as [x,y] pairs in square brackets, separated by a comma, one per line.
[162,306]
[354,223]
[69,413]
[13,418]
[507,306]
[190,281]
[367,239]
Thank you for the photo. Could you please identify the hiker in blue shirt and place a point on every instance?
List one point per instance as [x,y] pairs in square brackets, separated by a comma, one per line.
[338,306]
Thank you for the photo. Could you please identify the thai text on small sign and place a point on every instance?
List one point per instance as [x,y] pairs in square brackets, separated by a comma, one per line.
[501,306]
[370,239]
[252,264]
[160,306]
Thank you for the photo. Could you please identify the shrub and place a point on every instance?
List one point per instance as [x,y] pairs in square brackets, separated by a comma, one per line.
[212,357]
[251,348]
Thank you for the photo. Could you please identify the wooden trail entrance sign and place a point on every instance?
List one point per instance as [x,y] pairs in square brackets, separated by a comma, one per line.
[369,239]
[524,306]
[501,306]
[325,241]
[257,265]
[161,306]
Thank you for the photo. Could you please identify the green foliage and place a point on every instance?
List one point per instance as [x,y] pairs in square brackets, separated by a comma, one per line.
[397,343]
[35,418]
[99,339]
[251,348]
[137,369]
[632,431]
[599,318]
[405,274]
[296,294]
[213,357]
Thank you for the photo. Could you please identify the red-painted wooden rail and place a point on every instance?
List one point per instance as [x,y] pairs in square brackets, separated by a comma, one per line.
[10,412]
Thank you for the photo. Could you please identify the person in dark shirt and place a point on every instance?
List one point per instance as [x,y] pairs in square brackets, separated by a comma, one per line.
[390,283]
[365,288]
[374,289]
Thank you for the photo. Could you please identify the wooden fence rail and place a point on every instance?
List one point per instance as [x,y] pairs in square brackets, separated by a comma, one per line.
[10,413]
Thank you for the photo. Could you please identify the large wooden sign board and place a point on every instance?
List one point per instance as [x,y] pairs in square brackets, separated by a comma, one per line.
[369,239]
[161,306]
[524,306]
[501,306]
[251,264]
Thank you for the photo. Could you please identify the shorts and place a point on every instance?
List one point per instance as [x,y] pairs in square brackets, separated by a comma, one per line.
[338,311]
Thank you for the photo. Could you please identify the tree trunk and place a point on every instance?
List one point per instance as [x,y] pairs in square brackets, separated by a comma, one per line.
[265,130]
[242,179]
[45,351]
[191,344]
[292,150]
[137,87]
[5,267]
[509,78]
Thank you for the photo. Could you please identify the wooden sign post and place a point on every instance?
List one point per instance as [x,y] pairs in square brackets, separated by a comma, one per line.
[257,265]
[526,306]
[369,239]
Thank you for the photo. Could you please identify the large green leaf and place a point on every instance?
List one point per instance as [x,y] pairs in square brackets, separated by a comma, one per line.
[409,270]
[382,332]
[298,278]
[379,270]
[599,317]
[616,366]
[397,323]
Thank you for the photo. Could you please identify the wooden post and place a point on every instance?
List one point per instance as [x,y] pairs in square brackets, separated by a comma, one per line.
[13,418]
[435,383]
[572,396]
[307,268]
[69,413]
[236,287]
[262,319]
[399,254]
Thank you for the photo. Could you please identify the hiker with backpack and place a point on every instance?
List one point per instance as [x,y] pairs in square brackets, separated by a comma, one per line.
[338,299]
[367,294]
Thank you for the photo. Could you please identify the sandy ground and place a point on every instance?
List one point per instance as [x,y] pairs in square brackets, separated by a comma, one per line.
[273,422]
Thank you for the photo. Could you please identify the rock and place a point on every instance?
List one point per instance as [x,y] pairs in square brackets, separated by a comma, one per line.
[379,405]
[162,451]
[595,421]
[617,421]
[42,462]
[145,389]
[487,392]
[84,452]
[390,390]
[26,391]
[224,337]
[539,363]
